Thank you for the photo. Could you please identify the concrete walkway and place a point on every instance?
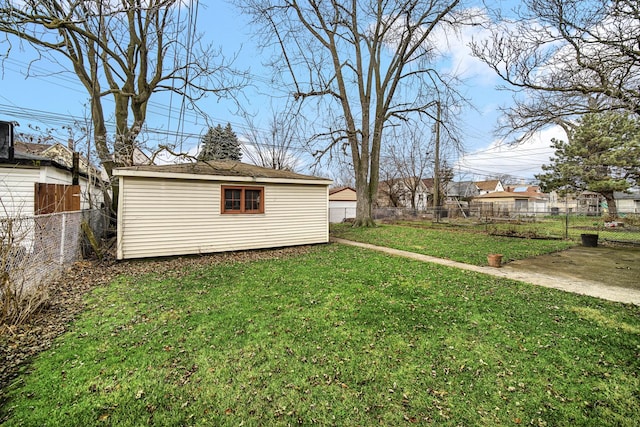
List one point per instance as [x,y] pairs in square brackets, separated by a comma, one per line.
[578,286]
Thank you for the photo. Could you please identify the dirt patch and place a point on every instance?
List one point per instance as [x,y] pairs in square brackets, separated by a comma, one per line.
[611,266]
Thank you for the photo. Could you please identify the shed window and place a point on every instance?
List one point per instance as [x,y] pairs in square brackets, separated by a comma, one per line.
[242,200]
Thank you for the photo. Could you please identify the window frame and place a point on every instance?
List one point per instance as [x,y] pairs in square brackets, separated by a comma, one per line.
[243,189]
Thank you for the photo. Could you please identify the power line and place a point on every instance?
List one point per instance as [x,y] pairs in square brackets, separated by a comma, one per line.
[159,110]
[56,119]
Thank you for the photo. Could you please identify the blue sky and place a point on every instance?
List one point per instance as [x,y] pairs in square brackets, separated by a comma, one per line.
[50,100]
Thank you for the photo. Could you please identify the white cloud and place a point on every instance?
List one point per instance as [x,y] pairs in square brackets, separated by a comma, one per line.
[521,161]
[452,42]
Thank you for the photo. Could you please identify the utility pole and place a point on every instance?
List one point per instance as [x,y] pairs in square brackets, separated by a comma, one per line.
[436,171]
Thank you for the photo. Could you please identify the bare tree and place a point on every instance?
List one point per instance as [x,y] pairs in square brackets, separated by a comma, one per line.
[368,63]
[343,172]
[274,148]
[411,156]
[563,59]
[391,189]
[125,50]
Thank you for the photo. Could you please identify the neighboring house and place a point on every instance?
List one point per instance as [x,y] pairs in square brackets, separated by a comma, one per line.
[35,179]
[342,204]
[523,188]
[491,186]
[460,191]
[538,201]
[629,202]
[593,204]
[505,203]
[58,152]
[139,157]
[589,203]
[457,197]
[396,193]
[217,206]
[565,204]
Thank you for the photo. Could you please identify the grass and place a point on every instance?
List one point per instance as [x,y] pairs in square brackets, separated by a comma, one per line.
[455,244]
[336,336]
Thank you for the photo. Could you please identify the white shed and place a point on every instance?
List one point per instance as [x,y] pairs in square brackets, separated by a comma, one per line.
[342,204]
[217,206]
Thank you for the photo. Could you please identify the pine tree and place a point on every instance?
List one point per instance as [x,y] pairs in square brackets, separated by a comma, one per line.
[602,155]
[220,144]
[232,149]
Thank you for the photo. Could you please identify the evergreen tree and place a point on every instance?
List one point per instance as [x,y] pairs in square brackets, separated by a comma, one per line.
[602,155]
[220,144]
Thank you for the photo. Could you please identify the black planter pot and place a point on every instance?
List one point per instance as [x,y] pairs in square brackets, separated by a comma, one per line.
[589,240]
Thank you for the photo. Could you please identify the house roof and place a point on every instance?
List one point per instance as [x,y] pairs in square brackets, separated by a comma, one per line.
[461,189]
[56,154]
[339,189]
[523,188]
[408,182]
[632,194]
[217,169]
[342,194]
[507,195]
[428,182]
[488,185]
[28,153]
[31,148]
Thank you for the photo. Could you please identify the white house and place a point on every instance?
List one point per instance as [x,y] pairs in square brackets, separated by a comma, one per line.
[505,203]
[491,186]
[22,171]
[397,193]
[217,206]
[628,202]
[342,204]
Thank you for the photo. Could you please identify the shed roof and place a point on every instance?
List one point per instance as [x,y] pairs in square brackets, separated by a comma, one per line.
[216,169]
[342,194]
[508,195]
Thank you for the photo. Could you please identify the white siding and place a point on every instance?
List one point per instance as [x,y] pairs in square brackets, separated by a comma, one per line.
[16,190]
[51,175]
[17,187]
[92,192]
[628,206]
[339,210]
[163,217]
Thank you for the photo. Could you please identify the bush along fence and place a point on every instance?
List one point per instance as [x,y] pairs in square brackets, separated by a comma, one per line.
[35,250]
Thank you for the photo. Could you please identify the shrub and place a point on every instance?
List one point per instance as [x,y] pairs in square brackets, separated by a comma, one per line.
[18,302]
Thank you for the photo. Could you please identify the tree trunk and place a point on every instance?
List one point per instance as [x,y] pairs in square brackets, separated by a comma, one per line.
[364,217]
[364,201]
[611,204]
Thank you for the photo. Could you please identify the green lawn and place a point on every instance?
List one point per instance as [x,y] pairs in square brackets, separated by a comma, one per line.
[337,335]
[456,244]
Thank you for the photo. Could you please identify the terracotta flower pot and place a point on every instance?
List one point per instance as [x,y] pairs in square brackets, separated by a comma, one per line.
[494,260]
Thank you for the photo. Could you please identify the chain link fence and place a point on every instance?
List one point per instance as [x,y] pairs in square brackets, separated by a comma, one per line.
[514,221]
[36,249]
